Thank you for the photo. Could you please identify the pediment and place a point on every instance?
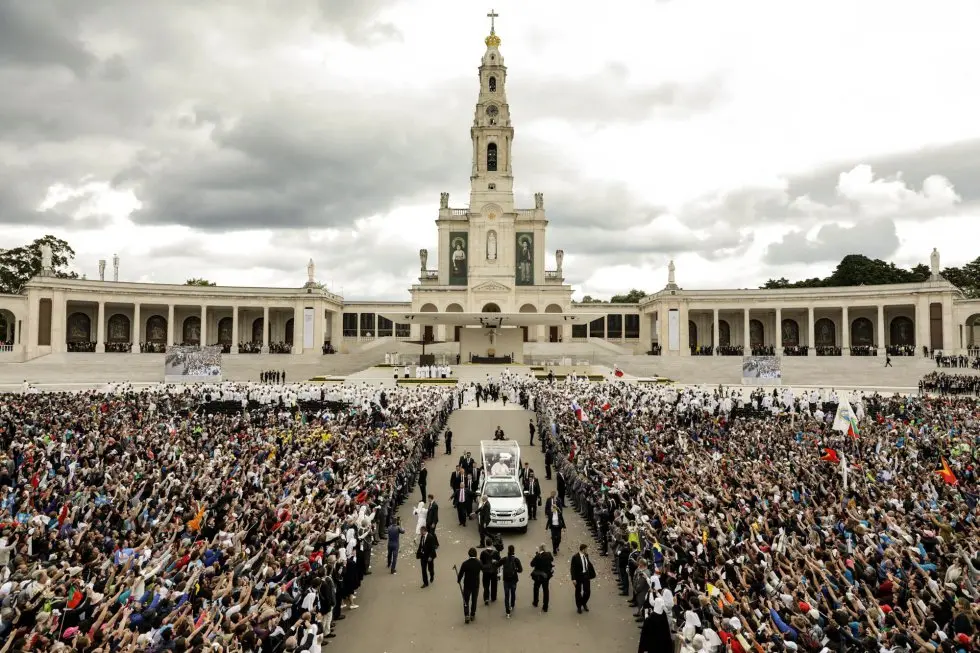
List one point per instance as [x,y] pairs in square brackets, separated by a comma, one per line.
[490,286]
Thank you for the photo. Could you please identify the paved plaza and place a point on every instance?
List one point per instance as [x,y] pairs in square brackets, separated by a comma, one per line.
[397,616]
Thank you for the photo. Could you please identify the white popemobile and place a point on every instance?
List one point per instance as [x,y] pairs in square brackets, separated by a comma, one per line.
[500,484]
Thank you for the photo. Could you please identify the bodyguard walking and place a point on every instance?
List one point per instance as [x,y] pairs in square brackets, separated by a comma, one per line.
[512,569]
[582,572]
[542,569]
[426,555]
[395,531]
[469,576]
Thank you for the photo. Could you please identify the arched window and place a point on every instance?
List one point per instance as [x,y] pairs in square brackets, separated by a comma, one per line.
[492,157]
[493,84]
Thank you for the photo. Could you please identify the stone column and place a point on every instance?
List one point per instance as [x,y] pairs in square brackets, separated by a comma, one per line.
[685,329]
[810,333]
[299,328]
[881,326]
[948,331]
[845,331]
[100,330]
[136,329]
[922,327]
[777,340]
[746,336]
[337,330]
[265,330]
[204,325]
[235,337]
[715,333]
[170,324]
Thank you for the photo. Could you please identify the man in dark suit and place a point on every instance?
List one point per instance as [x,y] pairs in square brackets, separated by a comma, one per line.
[549,460]
[432,516]
[582,574]
[483,520]
[449,441]
[549,507]
[469,576]
[461,499]
[426,554]
[456,478]
[423,477]
[532,494]
[530,427]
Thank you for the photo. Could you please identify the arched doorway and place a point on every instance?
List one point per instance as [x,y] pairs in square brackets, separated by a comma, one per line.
[757,333]
[79,328]
[455,308]
[825,333]
[156,329]
[971,335]
[428,333]
[902,332]
[490,308]
[790,333]
[225,336]
[862,333]
[191,331]
[7,322]
[724,334]
[118,329]
[692,334]
[289,331]
[554,332]
[258,325]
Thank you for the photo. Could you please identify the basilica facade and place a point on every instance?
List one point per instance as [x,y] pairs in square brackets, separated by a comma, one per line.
[489,259]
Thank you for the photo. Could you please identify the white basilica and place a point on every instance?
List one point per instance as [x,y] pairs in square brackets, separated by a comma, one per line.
[487,295]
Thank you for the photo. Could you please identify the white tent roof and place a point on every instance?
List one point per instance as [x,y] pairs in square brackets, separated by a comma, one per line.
[496,320]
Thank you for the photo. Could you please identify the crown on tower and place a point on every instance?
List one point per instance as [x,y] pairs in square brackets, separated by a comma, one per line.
[492,41]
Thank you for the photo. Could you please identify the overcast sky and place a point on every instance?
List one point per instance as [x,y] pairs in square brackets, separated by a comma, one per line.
[235,139]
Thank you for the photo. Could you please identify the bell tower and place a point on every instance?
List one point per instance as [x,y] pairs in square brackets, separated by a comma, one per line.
[492,177]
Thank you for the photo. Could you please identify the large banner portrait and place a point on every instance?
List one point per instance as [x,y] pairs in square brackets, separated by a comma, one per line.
[761,370]
[192,364]
[524,272]
[459,251]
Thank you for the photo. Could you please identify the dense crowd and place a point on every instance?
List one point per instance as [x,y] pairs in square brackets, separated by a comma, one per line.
[235,517]
[752,523]
[950,384]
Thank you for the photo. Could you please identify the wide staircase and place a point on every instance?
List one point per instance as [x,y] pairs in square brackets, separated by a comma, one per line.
[800,371]
[147,368]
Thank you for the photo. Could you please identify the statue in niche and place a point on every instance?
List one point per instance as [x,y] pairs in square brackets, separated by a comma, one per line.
[46,257]
[443,200]
[539,200]
[559,258]
[492,246]
[423,257]
[934,262]
[310,271]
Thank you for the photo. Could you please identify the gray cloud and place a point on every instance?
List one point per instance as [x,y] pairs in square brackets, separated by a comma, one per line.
[40,33]
[873,238]
[607,97]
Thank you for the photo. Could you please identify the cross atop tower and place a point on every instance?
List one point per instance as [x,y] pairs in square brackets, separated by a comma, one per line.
[492,16]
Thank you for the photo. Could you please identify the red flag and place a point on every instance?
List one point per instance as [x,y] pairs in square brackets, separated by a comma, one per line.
[362,497]
[617,371]
[200,620]
[63,515]
[947,473]
[75,599]
[606,406]
[35,481]
[830,456]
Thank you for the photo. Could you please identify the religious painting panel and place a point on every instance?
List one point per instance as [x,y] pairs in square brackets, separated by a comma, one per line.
[224,331]
[862,332]
[79,328]
[118,328]
[191,331]
[524,273]
[459,252]
[825,333]
[757,333]
[724,334]
[902,332]
[257,327]
[790,330]
[156,329]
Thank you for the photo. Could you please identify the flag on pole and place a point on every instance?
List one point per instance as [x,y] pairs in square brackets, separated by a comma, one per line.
[843,470]
[618,372]
[947,473]
[580,414]
[845,421]
[830,456]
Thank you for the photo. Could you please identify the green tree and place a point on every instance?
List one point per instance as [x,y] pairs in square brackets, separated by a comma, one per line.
[632,297]
[19,265]
[199,282]
[589,299]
